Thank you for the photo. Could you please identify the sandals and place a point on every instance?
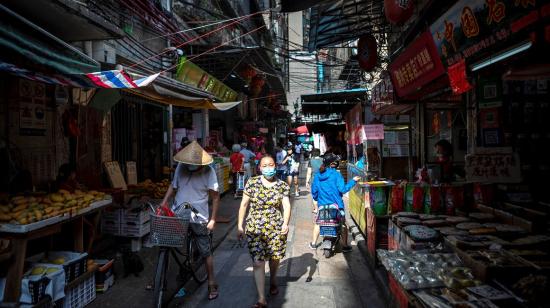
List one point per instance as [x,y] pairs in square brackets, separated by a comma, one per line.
[273,290]
[259,305]
[213,292]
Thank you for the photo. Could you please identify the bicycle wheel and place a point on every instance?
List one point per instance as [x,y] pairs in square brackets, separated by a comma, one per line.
[197,263]
[160,277]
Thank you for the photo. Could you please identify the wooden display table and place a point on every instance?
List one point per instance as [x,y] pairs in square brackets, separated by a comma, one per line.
[20,235]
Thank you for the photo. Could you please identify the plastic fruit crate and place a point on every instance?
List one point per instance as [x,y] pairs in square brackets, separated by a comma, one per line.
[136,217]
[81,295]
[74,266]
[135,230]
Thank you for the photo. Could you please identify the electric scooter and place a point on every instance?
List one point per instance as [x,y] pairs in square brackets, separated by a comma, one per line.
[329,220]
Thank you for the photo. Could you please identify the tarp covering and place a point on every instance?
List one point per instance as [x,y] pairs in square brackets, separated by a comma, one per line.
[168,97]
[344,20]
[20,39]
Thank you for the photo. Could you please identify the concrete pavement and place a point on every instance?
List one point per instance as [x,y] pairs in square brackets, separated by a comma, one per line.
[306,278]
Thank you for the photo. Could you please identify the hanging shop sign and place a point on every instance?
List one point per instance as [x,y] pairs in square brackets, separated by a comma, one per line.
[382,93]
[398,11]
[416,66]
[472,26]
[191,74]
[372,132]
[366,52]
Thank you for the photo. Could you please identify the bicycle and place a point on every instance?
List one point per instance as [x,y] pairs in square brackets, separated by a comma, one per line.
[170,234]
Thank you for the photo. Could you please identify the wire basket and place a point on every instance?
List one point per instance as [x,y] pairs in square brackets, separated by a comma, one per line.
[169,231]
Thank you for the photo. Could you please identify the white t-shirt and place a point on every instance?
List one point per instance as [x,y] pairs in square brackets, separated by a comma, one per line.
[193,187]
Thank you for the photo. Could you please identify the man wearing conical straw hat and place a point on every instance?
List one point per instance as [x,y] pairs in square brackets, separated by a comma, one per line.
[194,182]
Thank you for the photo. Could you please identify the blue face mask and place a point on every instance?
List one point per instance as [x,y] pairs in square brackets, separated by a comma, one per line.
[192,167]
[268,172]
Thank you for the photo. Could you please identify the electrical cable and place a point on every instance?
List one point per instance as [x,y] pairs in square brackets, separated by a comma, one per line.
[196,28]
[194,39]
[215,47]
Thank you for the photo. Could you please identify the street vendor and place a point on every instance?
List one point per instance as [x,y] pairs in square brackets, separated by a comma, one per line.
[66,178]
[195,182]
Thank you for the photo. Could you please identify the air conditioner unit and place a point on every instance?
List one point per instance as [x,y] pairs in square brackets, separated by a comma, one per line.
[103,51]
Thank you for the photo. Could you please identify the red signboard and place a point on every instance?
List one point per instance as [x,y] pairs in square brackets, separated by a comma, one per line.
[416,66]
[354,124]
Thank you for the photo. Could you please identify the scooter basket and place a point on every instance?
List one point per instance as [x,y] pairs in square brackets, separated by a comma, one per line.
[328,215]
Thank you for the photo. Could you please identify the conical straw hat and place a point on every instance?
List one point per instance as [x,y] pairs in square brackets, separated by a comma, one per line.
[193,154]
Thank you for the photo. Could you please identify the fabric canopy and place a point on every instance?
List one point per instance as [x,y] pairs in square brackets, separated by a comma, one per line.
[168,97]
[340,21]
[20,40]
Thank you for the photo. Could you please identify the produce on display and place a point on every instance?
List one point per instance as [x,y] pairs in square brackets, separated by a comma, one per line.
[149,188]
[29,209]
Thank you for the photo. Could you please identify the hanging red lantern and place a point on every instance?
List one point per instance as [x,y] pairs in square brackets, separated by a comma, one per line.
[247,73]
[367,52]
[256,85]
[398,11]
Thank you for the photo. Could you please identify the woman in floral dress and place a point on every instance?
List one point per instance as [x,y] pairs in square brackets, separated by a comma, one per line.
[266,224]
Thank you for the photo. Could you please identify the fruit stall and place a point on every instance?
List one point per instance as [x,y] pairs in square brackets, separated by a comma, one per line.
[62,275]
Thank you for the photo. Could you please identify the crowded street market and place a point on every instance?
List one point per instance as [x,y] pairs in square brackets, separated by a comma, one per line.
[348,153]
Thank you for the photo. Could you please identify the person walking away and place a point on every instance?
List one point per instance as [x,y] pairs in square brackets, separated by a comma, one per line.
[282,168]
[266,225]
[298,151]
[327,188]
[314,165]
[195,183]
[293,167]
[248,159]
[237,164]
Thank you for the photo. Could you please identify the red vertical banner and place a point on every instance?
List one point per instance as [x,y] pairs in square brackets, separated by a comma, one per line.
[354,124]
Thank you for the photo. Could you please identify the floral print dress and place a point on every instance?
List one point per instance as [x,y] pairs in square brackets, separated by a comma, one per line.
[265,218]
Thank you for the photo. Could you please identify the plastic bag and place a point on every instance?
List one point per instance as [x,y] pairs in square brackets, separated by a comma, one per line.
[432,200]
[395,203]
[164,211]
[378,200]
[414,198]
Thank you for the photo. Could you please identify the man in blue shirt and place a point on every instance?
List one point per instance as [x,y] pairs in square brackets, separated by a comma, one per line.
[328,188]
[249,157]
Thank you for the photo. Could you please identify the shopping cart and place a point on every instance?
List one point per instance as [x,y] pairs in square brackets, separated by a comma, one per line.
[240,181]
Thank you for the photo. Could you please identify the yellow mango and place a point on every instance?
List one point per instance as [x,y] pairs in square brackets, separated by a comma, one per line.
[57,198]
[5,217]
[51,270]
[23,221]
[19,207]
[59,261]
[18,200]
[38,215]
[39,270]
[64,192]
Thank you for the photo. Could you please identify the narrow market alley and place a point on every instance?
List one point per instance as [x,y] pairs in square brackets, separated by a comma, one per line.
[306,278]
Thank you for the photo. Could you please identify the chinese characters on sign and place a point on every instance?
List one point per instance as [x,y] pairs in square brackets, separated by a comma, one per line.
[468,22]
[472,26]
[416,66]
[373,132]
[382,93]
[495,168]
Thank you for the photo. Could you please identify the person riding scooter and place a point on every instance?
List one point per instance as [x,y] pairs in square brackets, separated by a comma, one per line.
[327,189]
